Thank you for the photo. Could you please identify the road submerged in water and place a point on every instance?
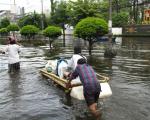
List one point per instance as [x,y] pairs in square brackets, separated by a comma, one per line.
[29,96]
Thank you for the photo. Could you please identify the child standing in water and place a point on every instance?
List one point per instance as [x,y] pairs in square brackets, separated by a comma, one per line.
[91,86]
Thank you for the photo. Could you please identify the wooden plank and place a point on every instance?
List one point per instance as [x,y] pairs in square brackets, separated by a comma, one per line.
[53,75]
[57,81]
[63,82]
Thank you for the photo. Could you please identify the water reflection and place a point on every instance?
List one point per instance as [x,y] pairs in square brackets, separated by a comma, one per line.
[101,65]
[14,85]
[136,47]
[134,60]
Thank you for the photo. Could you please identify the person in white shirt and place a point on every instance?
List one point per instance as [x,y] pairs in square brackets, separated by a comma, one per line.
[72,63]
[13,50]
[75,57]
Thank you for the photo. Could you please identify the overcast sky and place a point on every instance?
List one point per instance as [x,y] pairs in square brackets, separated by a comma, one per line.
[29,5]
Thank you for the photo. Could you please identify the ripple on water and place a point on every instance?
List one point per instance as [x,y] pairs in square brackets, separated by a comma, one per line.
[27,96]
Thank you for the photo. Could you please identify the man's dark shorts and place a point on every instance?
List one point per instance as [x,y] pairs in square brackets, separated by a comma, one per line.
[91,97]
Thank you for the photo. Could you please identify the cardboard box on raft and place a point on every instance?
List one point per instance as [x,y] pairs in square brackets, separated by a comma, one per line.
[77,92]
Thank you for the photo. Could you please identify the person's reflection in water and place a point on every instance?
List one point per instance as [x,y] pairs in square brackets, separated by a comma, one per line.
[14,86]
[15,91]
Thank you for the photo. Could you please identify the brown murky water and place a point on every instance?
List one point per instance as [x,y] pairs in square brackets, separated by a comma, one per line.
[28,96]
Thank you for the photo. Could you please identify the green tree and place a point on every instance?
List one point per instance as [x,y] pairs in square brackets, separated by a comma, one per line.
[120,19]
[120,5]
[4,22]
[103,9]
[52,32]
[83,8]
[60,17]
[32,19]
[90,29]
[13,27]
[117,7]
[53,6]
[133,7]
[29,31]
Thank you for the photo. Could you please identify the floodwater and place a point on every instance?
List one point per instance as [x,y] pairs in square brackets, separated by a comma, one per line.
[29,96]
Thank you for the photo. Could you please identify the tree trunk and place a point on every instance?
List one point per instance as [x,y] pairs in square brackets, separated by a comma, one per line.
[142,11]
[134,10]
[29,37]
[117,6]
[13,32]
[137,10]
[90,47]
[64,37]
[50,44]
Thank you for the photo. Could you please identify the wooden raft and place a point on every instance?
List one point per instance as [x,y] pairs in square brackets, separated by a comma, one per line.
[63,82]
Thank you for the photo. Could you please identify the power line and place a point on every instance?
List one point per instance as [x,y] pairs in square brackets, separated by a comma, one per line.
[42,22]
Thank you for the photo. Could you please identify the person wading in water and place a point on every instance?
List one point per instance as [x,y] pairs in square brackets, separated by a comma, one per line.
[91,86]
[13,50]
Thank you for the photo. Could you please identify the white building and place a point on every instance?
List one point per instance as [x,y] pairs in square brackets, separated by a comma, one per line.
[6,14]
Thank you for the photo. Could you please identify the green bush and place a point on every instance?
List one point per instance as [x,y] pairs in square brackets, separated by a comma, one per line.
[3,31]
[13,27]
[29,31]
[90,29]
[52,32]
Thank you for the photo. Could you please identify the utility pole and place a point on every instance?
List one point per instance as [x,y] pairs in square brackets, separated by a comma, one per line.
[109,52]
[14,11]
[110,21]
[14,19]
[14,2]
[42,22]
